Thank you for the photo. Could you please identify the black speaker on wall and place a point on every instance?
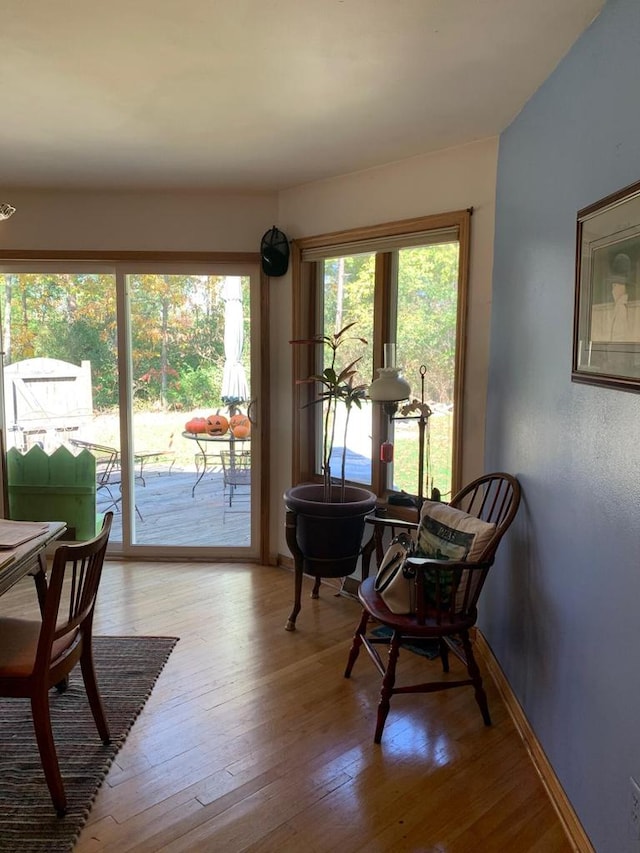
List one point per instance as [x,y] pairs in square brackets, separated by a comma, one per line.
[274,252]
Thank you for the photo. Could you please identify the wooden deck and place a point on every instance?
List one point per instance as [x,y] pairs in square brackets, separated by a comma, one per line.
[169,514]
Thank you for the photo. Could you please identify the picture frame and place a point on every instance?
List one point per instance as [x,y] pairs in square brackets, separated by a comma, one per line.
[606,333]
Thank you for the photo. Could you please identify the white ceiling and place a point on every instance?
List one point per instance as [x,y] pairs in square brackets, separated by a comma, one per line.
[261,94]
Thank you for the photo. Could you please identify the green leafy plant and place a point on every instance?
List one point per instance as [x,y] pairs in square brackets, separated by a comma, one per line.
[336,387]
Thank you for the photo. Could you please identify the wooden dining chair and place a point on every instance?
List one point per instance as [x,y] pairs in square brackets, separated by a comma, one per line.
[38,655]
[447,590]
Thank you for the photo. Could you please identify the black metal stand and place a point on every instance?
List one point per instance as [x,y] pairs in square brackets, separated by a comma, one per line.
[424,413]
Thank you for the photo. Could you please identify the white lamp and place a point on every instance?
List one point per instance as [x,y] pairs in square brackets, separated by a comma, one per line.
[6,210]
[390,387]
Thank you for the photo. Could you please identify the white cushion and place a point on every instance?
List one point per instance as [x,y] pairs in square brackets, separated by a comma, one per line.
[446,533]
[450,534]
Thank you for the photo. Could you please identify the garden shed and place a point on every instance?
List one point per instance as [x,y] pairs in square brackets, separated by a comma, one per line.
[45,399]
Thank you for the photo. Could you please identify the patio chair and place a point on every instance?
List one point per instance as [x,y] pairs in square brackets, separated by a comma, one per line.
[236,474]
[107,467]
[108,473]
[208,461]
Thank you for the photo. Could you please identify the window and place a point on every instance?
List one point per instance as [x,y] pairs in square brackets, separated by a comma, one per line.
[402,283]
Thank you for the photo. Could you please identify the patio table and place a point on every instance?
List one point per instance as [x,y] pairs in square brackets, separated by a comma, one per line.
[202,439]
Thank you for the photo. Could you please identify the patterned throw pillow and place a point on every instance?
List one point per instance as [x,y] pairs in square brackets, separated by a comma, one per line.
[446,533]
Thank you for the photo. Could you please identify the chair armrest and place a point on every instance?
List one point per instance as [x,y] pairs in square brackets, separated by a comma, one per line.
[434,563]
[391,522]
[376,541]
[446,589]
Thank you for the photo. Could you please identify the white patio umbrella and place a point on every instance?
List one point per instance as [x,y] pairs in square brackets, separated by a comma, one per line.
[234,380]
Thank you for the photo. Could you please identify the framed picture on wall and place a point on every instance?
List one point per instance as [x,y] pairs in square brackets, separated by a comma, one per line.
[606,337]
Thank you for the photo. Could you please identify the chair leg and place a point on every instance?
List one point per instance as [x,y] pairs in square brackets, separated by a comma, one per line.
[365,554]
[357,642]
[444,654]
[297,597]
[93,693]
[474,674]
[315,592]
[387,685]
[298,560]
[47,749]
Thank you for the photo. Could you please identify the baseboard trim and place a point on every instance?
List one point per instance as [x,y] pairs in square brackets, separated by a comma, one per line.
[572,826]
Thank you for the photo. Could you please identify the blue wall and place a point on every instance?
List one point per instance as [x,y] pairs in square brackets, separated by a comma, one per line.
[562,605]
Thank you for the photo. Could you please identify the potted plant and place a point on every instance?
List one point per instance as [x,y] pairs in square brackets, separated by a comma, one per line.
[325,521]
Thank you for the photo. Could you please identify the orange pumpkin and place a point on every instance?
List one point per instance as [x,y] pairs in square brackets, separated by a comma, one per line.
[240,426]
[217,425]
[196,425]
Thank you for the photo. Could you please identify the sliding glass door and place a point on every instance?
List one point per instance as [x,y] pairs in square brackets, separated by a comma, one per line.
[61,385]
[148,369]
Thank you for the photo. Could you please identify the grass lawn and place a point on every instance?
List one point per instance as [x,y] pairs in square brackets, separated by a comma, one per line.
[439,453]
[152,431]
[163,431]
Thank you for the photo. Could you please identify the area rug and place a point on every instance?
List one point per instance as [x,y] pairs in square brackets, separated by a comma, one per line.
[127,669]
[427,648]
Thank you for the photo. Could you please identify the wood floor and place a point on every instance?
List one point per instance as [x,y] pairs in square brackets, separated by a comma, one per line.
[252,740]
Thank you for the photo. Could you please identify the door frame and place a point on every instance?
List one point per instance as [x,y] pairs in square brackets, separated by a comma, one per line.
[232,260]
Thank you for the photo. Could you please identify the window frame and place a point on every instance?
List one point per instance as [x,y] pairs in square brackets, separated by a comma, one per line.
[306,317]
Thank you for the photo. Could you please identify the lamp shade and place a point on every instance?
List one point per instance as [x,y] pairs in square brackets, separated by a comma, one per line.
[389,387]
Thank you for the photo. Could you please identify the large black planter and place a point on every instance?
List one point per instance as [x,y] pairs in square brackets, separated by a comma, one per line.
[324,537]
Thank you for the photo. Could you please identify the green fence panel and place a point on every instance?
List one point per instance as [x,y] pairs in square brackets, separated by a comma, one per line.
[53,487]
